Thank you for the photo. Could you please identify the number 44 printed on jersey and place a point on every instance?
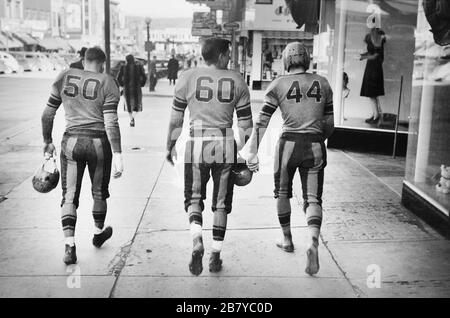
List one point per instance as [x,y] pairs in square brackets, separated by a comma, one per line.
[313,93]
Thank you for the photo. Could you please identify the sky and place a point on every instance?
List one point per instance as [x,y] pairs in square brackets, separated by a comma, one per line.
[160,8]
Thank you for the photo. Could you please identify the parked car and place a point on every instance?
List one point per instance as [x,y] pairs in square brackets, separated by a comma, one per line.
[4,69]
[28,62]
[11,62]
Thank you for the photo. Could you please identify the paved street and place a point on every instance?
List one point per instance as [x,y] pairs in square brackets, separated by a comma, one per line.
[370,246]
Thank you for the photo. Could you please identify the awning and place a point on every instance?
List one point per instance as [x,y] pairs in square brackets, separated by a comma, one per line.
[26,39]
[55,44]
[10,42]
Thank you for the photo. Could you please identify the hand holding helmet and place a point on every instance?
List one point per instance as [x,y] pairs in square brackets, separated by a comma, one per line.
[49,151]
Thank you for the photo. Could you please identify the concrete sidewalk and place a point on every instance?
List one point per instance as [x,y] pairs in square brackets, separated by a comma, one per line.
[367,234]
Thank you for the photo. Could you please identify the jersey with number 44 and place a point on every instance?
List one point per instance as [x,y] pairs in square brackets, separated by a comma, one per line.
[303,98]
[212,96]
[86,96]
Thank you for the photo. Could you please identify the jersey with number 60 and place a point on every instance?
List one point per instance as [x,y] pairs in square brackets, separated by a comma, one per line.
[304,99]
[212,95]
[86,97]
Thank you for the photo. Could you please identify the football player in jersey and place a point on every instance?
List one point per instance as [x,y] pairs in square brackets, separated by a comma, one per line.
[212,94]
[91,138]
[306,104]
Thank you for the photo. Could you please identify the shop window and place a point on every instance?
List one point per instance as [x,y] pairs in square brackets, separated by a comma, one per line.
[372,43]
[428,156]
[264,1]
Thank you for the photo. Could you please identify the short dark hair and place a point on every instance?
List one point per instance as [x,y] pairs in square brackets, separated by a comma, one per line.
[95,54]
[130,59]
[213,47]
[82,52]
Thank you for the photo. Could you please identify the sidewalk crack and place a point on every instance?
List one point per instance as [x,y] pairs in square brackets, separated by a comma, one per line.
[121,258]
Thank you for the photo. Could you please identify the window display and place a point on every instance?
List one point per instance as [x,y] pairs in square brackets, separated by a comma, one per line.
[372,42]
[428,158]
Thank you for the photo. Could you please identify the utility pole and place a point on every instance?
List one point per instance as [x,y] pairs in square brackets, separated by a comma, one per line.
[148,49]
[107,37]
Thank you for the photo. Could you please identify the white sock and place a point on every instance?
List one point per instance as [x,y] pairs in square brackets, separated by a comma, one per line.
[196,230]
[97,231]
[70,241]
[217,246]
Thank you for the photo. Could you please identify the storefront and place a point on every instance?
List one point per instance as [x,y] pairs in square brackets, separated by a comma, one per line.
[345,27]
[267,28]
[427,184]
[416,82]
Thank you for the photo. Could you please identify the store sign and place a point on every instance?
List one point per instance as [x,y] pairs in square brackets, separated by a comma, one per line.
[73,16]
[203,23]
[232,26]
[274,16]
[213,4]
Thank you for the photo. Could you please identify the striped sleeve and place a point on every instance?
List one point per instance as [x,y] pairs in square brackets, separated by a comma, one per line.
[112,95]
[243,105]
[328,109]
[179,104]
[55,99]
[270,106]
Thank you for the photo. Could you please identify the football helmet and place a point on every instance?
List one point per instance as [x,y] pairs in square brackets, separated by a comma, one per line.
[241,174]
[296,54]
[46,177]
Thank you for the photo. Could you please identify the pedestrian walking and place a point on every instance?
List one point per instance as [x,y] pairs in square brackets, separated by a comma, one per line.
[79,64]
[92,138]
[172,68]
[153,74]
[306,104]
[212,94]
[132,77]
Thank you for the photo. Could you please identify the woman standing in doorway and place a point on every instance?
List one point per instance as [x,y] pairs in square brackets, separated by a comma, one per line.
[373,80]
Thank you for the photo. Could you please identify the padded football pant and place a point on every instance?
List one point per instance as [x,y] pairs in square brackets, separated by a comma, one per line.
[203,159]
[79,149]
[307,153]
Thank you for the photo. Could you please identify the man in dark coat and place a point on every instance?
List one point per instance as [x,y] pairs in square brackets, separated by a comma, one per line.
[132,77]
[79,64]
[172,69]
[152,74]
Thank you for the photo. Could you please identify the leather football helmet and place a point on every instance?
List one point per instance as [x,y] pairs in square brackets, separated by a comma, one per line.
[296,54]
[46,177]
[241,174]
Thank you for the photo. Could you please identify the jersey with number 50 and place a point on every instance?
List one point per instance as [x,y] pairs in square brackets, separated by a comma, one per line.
[212,95]
[303,98]
[86,97]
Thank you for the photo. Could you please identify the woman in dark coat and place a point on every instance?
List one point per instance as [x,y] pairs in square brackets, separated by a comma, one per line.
[132,77]
[373,80]
[172,69]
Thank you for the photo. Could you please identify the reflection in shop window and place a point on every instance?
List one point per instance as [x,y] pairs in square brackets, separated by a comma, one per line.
[428,156]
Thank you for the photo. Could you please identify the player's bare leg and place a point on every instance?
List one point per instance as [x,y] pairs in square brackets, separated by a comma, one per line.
[314,219]
[101,235]
[219,229]
[196,221]
[284,216]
